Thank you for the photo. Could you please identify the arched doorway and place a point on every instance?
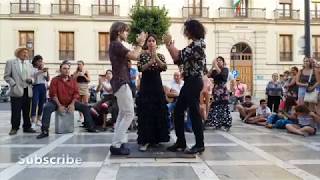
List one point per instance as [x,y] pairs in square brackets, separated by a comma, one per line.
[241,60]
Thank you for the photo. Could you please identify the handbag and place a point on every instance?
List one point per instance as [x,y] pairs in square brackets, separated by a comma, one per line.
[312,96]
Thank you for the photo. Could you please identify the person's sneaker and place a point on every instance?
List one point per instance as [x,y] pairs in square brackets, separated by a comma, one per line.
[194,150]
[33,125]
[176,148]
[43,135]
[119,151]
[143,148]
[29,130]
[13,132]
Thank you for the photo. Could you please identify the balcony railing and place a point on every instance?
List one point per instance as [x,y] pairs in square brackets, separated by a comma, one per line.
[287,14]
[316,55]
[315,15]
[285,56]
[195,12]
[24,8]
[242,13]
[105,10]
[148,7]
[66,55]
[65,9]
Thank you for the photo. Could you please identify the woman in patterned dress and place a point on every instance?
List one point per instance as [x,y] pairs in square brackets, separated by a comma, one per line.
[151,102]
[219,114]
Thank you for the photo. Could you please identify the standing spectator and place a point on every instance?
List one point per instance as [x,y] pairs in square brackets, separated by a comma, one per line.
[240,90]
[303,81]
[193,58]
[119,57]
[82,77]
[205,97]
[291,87]
[64,95]
[133,78]
[274,93]
[219,115]
[152,110]
[18,74]
[41,77]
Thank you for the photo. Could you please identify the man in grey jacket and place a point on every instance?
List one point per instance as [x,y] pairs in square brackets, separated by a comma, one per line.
[18,74]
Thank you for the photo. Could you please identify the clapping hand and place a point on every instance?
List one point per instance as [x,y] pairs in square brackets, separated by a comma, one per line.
[167,39]
[141,38]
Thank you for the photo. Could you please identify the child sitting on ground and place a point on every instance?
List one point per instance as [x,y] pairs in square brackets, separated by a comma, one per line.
[306,122]
[263,112]
[284,116]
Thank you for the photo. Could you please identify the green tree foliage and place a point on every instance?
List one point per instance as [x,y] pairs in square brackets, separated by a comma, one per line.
[148,19]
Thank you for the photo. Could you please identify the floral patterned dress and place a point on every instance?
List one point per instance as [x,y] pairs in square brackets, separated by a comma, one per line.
[219,113]
[151,104]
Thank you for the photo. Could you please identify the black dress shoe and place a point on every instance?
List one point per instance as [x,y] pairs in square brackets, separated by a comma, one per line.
[93,130]
[119,151]
[176,148]
[13,132]
[29,130]
[194,150]
[43,135]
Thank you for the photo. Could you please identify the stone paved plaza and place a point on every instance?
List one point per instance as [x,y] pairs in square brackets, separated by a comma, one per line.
[246,152]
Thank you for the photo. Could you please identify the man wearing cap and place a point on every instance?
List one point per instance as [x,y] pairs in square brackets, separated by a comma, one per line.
[18,74]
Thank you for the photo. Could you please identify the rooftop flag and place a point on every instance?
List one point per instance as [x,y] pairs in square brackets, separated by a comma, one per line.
[236,6]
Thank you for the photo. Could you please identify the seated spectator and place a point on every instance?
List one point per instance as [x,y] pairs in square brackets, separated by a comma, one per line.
[64,95]
[246,109]
[284,116]
[306,122]
[108,96]
[263,112]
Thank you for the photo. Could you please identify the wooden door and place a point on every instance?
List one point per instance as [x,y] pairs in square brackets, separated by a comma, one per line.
[246,72]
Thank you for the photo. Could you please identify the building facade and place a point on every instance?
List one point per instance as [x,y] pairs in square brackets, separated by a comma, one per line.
[255,38]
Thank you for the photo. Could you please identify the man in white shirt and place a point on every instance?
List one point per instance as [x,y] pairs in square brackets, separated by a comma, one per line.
[173,94]
[263,112]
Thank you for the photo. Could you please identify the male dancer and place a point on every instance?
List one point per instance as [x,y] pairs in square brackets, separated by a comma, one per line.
[119,57]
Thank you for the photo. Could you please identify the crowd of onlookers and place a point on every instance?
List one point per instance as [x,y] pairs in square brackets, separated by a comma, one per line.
[292,101]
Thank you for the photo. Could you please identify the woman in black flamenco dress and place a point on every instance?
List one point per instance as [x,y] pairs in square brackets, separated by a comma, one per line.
[151,102]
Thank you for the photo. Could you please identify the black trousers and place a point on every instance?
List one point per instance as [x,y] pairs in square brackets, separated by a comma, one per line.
[275,102]
[189,97]
[17,104]
[52,106]
[113,107]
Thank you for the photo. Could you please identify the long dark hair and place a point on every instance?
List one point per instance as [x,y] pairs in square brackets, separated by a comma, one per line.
[116,28]
[145,47]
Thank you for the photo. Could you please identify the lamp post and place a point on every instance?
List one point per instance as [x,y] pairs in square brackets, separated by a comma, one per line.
[307,50]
